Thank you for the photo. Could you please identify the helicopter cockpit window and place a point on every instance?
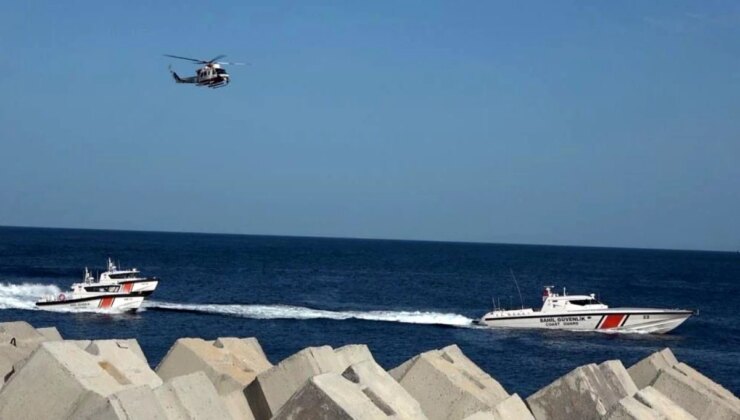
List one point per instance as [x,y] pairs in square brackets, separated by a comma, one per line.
[220,71]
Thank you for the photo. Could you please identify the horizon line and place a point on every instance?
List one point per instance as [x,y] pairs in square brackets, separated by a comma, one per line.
[471,242]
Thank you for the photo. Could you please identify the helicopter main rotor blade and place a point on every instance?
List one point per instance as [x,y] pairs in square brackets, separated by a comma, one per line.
[186,58]
[231,64]
[218,57]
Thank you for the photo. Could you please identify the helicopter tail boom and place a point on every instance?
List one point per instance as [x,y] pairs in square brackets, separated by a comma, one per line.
[179,79]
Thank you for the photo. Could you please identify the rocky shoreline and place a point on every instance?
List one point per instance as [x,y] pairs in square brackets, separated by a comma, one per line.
[47,377]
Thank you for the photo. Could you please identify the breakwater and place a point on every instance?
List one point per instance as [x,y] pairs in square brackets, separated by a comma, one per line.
[45,376]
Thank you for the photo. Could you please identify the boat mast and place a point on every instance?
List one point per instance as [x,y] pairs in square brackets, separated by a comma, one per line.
[521,301]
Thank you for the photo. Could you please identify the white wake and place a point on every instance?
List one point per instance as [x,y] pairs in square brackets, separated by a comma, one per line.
[299,312]
[24,296]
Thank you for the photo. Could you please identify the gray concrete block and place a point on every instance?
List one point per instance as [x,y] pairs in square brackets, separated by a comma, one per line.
[457,358]
[481,415]
[273,387]
[693,397]
[353,353]
[191,396]
[82,344]
[512,408]
[9,356]
[129,404]
[17,341]
[650,397]
[229,363]
[50,333]
[54,380]
[129,344]
[448,385]
[628,408]
[19,333]
[615,373]
[645,371]
[712,386]
[399,371]
[124,358]
[383,389]
[583,393]
[330,396]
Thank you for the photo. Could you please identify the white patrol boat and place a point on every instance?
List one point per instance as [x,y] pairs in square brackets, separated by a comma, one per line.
[115,290]
[586,313]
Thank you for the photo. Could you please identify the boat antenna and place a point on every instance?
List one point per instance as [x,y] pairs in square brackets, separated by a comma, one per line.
[521,301]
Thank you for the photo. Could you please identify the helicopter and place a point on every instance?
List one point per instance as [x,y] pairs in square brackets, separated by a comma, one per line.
[210,75]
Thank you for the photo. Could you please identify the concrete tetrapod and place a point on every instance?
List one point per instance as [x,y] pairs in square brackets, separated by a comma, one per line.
[628,408]
[693,396]
[329,396]
[50,333]
[20,333]
[481,415]
[9,356]
[709,384]
[671,386]
[650,397]
[229,363]
[587,392]
[18,340]
[383,390]
[448,385]
[55,380]
[135,403]
[125,359]
[512,408]
[191,396]
[353,353]
[273,387]
[645,371]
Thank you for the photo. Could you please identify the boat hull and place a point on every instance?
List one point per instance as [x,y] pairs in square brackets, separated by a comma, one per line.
[112,303]
[654,321]
[143,287]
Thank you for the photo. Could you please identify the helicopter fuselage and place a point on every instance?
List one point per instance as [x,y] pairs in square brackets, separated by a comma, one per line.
[212,76]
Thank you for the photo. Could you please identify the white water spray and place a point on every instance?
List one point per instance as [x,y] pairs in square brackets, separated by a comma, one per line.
[24,296]
[299,312]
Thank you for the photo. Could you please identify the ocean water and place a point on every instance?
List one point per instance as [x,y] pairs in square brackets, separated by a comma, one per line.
[399,297]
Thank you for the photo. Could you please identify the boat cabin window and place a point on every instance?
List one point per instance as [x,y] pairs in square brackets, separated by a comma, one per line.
[102,288]
[583,302]
[123,276]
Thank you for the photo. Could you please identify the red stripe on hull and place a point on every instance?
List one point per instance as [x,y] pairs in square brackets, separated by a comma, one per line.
[106,302]
[127,287]
[612,321]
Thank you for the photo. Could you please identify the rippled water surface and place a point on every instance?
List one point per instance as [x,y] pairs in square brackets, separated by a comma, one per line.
[398,297]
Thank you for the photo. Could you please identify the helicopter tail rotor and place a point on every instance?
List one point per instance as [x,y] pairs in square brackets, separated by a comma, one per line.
[177,78]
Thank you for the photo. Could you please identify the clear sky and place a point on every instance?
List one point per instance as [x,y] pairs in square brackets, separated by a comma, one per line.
[583,123]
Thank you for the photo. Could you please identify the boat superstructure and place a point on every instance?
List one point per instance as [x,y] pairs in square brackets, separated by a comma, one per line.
[115,289]
[129,280]
[586,313]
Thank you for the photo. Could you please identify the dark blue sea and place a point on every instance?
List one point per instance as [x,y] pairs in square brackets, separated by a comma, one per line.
[399,297]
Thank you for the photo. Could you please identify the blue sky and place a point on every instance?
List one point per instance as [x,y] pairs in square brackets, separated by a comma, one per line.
[575,123]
